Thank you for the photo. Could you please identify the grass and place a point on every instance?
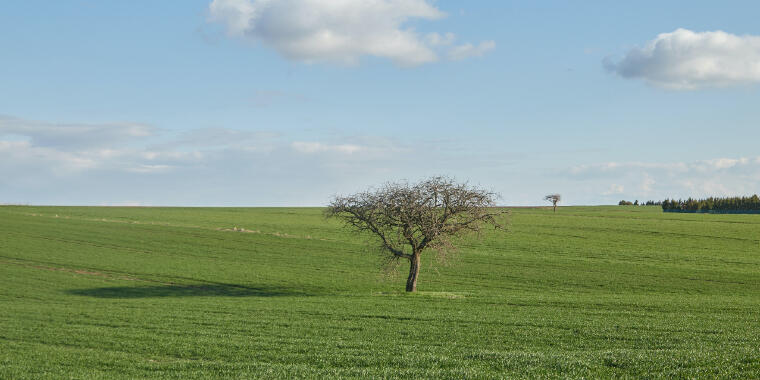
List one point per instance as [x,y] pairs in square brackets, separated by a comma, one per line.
[594,292]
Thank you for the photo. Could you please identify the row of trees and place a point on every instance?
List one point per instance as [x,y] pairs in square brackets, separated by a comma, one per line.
[636,203]
[714,205]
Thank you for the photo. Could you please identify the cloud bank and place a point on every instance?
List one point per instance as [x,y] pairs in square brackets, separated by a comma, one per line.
[74,135]
[341,31]
[660,180]
[113,163]
[110,163]
[687,60]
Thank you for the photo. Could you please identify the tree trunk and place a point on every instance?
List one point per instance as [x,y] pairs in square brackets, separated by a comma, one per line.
[555,207]
[414,270]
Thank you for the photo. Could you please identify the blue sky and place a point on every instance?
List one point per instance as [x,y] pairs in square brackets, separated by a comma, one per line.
[289,102]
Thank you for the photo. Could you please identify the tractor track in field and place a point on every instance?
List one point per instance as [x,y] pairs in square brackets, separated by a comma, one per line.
[80,271]
[630,232]
[165,224]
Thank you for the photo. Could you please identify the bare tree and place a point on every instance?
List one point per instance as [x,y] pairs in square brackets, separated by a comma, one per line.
[554,199]
[407,220]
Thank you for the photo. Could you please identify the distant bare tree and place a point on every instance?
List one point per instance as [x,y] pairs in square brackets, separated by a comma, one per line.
[409,219]
[554,199]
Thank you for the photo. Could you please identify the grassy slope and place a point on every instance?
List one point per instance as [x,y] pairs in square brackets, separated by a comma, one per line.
[594,292]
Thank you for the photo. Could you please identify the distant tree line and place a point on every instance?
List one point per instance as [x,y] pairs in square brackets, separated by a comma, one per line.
[728,205]
[636,203]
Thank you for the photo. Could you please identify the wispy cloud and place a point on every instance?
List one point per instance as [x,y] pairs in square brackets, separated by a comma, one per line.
[710,165]
[688,60]
[614,189]
[659,180]
[222,159]
[221,138]
[68,136]
[436,39]
[23,156]
[224,166]
[140,149]
[468,50]
[142,168]
[317,147]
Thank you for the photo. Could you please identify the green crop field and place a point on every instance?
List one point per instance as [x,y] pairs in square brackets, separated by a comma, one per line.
[594,292]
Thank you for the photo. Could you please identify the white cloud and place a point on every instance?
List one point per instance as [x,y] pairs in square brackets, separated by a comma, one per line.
[22,155]
[237,15]
[689,60]
[646,183]
[74,135]
[317,147]
[39,149]
[221,138]
[607,168]
[339,31]
[435,39]
[211,166]
[465,51]
[149,168]
[43,155]
[614,189]
[725,163]
[711,187]
[660,180]
[712,165]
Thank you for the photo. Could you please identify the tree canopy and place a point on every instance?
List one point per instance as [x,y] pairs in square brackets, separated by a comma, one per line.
[554,199]
[409,219]
[747,204]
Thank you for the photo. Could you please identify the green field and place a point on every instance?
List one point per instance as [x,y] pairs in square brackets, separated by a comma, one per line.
[594,292]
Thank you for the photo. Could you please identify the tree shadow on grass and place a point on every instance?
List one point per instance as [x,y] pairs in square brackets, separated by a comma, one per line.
[219,290]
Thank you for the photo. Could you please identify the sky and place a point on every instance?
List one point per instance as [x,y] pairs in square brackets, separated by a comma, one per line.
[291,102]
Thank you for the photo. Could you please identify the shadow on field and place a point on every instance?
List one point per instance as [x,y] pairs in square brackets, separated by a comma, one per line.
[222,290]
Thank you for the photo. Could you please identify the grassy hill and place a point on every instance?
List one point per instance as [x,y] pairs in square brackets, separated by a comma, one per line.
[592,292]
